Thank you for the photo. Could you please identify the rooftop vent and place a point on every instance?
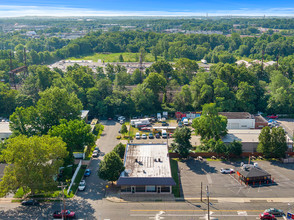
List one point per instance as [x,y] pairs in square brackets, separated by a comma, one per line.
[155,160]
[159,160]
[136,160]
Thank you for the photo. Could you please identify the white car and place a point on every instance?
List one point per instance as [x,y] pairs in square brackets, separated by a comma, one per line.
[95,153]
[144,136]
[82,185]
[138,136]
[227,170]
[121,118]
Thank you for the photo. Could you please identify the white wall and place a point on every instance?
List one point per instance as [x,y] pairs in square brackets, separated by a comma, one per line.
[241,123]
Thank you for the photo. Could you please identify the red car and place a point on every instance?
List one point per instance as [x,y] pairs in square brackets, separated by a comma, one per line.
[272,116]
[64,213]
[267,215]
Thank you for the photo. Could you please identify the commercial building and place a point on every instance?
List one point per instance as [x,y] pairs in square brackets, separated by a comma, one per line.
[248,138]
[147,169]
[253,175]
[239,120]
[5,131]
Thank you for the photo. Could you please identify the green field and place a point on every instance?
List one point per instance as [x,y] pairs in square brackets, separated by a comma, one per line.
[114,57]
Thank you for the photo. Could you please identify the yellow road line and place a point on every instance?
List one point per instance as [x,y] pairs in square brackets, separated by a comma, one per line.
[178,210]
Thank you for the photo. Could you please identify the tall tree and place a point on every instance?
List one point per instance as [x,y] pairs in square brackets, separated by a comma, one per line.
[182,141]
[32,163]
[76,134]
[111,167]
[120,150]
[210,124]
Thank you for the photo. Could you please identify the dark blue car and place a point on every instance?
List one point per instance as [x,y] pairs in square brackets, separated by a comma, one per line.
[87,173]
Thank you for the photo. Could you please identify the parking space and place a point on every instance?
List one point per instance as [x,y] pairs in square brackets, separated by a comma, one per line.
[193,172]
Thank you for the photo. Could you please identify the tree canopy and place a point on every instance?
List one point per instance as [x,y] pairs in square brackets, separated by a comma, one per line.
[33,162]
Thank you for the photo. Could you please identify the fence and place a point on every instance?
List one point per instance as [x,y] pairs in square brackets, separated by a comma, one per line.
[74,176]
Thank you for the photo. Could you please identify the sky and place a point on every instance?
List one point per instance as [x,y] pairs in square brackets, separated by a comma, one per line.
[13,8]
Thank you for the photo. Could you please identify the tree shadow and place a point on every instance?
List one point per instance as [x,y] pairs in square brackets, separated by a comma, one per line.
[289,166]
[45,211]
[199,167]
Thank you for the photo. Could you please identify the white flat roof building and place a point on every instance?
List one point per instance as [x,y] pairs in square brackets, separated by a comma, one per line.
[147,169]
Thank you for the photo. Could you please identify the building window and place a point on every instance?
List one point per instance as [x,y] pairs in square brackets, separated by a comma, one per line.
[125,189]
[140,188]
[243,126]
[150,189]
[165,189]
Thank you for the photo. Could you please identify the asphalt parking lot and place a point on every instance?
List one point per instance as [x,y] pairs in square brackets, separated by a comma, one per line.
[193,172]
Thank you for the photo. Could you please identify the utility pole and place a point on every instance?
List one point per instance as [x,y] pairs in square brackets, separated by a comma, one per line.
[63,201]
[207,193]
[201,191]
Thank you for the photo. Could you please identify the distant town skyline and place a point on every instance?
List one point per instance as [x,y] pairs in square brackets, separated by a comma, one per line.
[14,8]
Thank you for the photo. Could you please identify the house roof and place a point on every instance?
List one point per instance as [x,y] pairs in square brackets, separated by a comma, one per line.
[260,119]
[169,181]
[253,172]
[237,115]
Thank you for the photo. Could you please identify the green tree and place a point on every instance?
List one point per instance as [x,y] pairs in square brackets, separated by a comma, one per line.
[54,104]
[111,167]
[32,163]
[272,142]
[143,99]
[7,99]
[182,141]
[278,142]
[210,125]
[121,58]
[120,150]
[124,129]
[76,134]
[264,145]
[156,83]
[234,148]
[183,99]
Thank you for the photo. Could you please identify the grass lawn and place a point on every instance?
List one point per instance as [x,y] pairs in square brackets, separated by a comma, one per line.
[174,170]
[114,57]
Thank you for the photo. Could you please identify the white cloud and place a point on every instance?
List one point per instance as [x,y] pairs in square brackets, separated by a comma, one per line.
[17,11]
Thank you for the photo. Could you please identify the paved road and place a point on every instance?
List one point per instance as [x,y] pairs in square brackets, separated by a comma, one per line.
[102,210]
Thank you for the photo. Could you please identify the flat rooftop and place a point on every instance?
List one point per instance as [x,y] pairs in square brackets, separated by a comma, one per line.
[242,135]
[237,115]
[4,128]
[250,135]
[152,161]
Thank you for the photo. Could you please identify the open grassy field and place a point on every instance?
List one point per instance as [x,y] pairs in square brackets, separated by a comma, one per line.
[114,57]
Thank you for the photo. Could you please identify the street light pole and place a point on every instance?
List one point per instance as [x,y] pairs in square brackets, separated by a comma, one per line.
[63,200]
[207,193]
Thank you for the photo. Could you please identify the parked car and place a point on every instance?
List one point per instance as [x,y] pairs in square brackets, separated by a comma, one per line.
[144,136]
[157,135]
[82,185]
[138,136]
[121,118]
[122,121]
[95,153]
[151,136]
[274,211]
[227,170]
[267,215]
[30,202]
[145,129]
[164,123]
[87,172]
[180,124]
[272,116]
[64,213]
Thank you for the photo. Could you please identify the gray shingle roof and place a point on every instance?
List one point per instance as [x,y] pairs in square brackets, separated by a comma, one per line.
[136,181]
[253,172]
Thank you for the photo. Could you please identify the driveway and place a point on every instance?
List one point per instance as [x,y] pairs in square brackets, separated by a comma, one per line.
[95,187]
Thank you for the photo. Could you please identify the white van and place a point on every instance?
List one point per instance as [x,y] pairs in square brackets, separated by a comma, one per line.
[138,135]
[186,122]
[164,134]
